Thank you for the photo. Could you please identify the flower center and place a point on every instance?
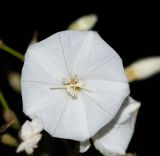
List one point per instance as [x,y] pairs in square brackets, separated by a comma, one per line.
[73,85]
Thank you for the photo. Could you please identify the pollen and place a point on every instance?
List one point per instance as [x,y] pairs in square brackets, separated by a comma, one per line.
[73,85]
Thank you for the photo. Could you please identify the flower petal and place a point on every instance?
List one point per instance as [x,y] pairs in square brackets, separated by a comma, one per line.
[26,130]
[114,138]
[36,125]
[84,146]
[102,102]
[73,124]
[31,128]
[29,144]
[22,147]
[97,60]
[72,42]
[44,103]
[41,64]
[39,95]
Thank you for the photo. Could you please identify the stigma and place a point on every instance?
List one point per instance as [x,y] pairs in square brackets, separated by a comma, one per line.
[73,85]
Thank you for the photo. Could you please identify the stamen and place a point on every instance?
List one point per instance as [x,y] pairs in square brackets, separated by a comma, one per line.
[73,86]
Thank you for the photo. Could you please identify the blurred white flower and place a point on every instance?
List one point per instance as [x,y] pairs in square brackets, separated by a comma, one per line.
[8,139]
[74,83]
[30,135]
[113,139]
[14,80]
[143,68]
[86,22]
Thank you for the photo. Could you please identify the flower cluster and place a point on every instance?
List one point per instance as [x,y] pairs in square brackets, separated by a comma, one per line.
[30,135]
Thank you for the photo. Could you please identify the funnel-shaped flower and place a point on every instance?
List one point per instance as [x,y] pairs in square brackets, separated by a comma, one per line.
[74,83]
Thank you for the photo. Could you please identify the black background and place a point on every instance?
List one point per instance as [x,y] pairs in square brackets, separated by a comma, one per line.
[133,30]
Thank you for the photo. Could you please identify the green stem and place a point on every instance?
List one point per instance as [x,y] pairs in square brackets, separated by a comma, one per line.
[16,124]
[11,51]
[3,101]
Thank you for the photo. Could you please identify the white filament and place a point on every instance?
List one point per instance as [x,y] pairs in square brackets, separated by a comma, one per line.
[73,86]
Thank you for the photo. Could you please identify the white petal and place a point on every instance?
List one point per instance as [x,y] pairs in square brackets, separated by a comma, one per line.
[101,106]
[86,22]
[73,123]
[30,128]
[45,104]
[97,60]
[72,43]
[29,144]
[51,114]
[44,61]
[34,140]
[84,146]
[143,69]
[114,138]
[26,130]
[29,150]
[21,147]
[36,125]
[38,96]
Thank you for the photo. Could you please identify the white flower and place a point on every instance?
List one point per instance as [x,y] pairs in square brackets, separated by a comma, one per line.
[86,22]
[30,135]
[74,83]
[14,80]
[113,139]
[143,69]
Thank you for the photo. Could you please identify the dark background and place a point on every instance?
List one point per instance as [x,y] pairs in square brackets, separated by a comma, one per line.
[133,30]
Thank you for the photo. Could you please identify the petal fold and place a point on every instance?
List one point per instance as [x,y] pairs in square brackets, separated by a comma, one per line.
[114,138]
